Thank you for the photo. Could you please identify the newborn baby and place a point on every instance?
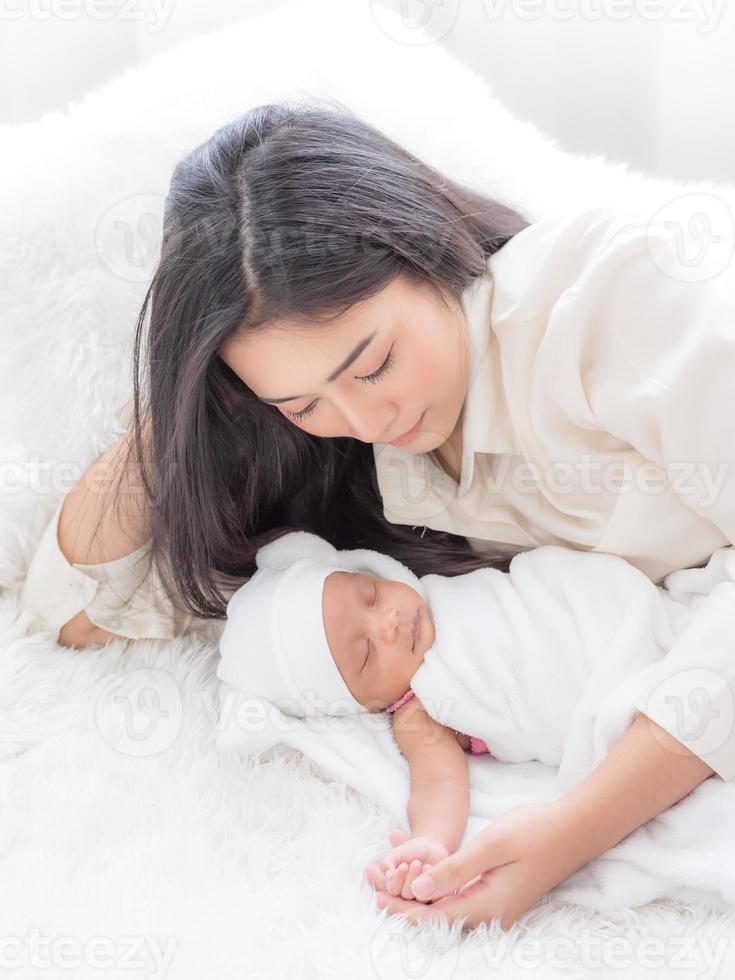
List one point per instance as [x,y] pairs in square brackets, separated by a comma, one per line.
[317,638]
[522,660]
[378,632]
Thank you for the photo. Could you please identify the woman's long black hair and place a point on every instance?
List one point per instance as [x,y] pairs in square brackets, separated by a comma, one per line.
[298,211]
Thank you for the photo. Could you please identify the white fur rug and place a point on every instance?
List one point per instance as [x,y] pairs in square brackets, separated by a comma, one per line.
[130,847]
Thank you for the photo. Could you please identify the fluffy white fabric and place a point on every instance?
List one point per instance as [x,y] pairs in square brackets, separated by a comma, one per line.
[172,842]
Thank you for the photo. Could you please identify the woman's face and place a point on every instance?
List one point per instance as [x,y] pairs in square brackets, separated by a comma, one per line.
[391,361]
[369,627]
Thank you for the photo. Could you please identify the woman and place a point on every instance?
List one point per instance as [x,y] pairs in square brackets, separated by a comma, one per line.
[320,357]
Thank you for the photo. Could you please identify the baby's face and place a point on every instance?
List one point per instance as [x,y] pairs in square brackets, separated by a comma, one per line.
[369,626]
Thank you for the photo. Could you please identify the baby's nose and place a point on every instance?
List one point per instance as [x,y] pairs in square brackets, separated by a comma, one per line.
[392,624]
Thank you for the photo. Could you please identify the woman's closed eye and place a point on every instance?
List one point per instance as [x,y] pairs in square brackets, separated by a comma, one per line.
[372,378]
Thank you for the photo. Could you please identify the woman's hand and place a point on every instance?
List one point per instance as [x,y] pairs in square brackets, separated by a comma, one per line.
[502,871]
[410,857]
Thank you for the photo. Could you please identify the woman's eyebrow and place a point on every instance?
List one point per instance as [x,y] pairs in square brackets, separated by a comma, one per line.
[333,376]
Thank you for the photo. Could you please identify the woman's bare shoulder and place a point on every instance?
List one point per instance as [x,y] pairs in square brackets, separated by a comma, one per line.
[124,524]
[122,529]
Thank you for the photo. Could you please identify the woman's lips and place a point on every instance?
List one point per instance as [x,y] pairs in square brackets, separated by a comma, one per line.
[408,436]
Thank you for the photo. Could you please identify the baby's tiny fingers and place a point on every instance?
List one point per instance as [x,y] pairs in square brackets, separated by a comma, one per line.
[394,882]
[388,868]
[414,870]
[375,876]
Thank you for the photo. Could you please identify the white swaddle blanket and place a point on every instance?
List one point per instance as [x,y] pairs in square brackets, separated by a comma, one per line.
[543,663]
[530,661]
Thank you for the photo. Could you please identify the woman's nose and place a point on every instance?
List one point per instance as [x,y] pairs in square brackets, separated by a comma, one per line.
[366,422]
[368,430]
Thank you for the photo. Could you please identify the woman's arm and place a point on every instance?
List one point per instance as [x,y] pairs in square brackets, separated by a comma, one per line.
[89,500]
[522,854]
[645,772]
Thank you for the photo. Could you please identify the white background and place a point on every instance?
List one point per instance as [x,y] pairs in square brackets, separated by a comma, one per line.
[650,82]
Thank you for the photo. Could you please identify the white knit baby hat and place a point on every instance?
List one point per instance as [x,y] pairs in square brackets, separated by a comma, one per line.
[274,646]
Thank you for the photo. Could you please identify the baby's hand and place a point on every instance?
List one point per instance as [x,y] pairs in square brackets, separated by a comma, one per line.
[397,870]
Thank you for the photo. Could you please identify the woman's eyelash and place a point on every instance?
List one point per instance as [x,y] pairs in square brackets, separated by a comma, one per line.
[384,367]
[372,378]
[303,413]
